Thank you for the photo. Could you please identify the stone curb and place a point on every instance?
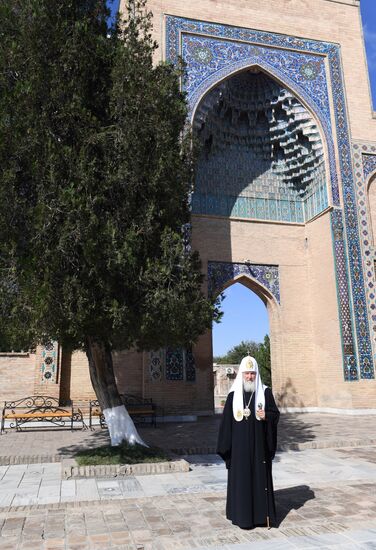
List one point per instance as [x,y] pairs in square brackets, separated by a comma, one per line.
[329,444]
[29,459]
[70,469]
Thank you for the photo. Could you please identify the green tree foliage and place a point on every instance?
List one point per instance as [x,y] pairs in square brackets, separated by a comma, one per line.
[260,351]
[95,177]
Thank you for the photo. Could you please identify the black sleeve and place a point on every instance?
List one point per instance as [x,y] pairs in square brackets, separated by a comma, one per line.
[272,417]
[225,432]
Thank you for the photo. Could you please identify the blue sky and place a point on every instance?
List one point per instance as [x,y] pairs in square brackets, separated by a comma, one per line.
[245,316]
[114,6]
[368,10]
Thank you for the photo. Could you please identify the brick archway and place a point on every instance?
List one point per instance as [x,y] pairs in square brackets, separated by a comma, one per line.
[263,280]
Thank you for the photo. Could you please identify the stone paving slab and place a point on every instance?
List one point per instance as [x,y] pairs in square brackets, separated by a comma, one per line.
[325,499]
[27,485]
[296,431]
[314,517]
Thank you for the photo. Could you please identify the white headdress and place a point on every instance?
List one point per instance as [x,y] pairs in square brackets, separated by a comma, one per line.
[248,364]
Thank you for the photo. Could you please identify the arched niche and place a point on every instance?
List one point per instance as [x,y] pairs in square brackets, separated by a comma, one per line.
[262,154]
[269,294]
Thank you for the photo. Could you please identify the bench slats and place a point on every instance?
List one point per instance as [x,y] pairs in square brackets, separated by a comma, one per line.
[66,414]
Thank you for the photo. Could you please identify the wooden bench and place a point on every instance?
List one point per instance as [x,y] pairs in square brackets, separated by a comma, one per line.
[39,408]
[137,408]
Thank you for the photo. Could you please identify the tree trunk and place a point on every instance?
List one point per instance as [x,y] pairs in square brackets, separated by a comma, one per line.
[120,425]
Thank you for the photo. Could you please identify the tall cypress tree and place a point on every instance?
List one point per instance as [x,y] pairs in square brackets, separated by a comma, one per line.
[96,171]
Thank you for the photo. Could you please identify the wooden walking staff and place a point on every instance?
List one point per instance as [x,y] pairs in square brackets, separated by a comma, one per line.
[259,406]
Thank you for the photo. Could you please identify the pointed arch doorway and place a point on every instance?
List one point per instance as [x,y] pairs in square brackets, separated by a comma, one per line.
[261,292]
[261,216]
[244,329]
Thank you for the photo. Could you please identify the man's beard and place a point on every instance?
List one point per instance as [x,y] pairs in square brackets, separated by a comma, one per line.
[248,386]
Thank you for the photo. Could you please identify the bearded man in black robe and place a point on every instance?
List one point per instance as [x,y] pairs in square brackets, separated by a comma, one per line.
[247,443]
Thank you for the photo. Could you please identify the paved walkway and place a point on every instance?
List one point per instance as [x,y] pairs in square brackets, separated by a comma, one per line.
[296,431]
[325,499]
[325,496]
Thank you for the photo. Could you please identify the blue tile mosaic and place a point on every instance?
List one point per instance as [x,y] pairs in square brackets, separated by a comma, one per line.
[49,364]
[179,364]
[364,160]
[350,367]
[369,164]
[174,364]
[248,207]
[225,50]
[214,53]
[351,219]
[221,273]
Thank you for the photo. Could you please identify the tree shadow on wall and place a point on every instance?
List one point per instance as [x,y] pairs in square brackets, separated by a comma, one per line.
[291,498]
[294,427]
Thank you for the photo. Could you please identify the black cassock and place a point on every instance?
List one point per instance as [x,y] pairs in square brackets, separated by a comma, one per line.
[248,448]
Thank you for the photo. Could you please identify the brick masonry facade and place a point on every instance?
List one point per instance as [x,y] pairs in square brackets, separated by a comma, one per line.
[322,320]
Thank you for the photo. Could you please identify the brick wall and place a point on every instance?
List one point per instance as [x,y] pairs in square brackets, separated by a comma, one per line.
[16,376]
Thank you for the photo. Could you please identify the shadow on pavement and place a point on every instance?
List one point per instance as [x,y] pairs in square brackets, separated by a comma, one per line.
[91,440]
[294,429]
[199,436]
[290,499]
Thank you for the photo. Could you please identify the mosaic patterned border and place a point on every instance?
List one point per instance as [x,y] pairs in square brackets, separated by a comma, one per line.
[250,207]
[364,159]
[369,162]
[172,364]
[49,364]
[351,220]
[350,368]
[220,273]
[205,78]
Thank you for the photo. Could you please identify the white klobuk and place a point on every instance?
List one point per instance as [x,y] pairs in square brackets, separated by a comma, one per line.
[240,410]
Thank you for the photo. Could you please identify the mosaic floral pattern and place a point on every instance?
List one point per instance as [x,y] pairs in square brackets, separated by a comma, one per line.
[49,364]
[156,363]
[302,78]
[202,54]
[174,364]
[220,273]
[369,164]
[311,70]
[350,367]
[354,253]
[224,53]
[364,158]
